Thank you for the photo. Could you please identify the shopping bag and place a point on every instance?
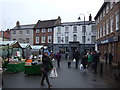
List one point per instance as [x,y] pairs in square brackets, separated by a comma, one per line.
[74,60]
[81,66]
[53,73]
[53,59]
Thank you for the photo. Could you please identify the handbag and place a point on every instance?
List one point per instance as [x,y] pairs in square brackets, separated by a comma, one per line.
[74,60]
[53,73]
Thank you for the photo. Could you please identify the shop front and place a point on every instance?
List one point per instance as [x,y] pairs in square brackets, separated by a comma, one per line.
[112,45]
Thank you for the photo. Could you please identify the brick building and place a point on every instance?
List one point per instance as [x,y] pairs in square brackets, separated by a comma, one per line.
[5,35]
[108,29]
[44,31]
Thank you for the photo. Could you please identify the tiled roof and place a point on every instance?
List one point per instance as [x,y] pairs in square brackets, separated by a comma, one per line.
[22,27]
[46,23]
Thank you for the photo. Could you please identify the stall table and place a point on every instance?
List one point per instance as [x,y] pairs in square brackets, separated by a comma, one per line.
[16,67]
[33,69]
[5,64]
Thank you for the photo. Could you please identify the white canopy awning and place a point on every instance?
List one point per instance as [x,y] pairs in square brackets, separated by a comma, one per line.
[38,46]
[13,44]
[25,45]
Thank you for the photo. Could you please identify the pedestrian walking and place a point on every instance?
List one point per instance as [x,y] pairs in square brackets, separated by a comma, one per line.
[106,57]
[99,54]
[84,62]
[89,55]
[58,57]
[95,61]
[110,58]
[76,56]
[46,67]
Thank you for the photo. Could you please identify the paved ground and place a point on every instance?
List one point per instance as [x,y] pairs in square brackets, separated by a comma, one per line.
[0,80]
[67,78]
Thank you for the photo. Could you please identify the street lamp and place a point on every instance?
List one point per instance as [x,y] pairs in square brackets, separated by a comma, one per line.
[83,31]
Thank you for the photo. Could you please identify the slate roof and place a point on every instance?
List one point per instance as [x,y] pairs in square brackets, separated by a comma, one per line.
[46,23]
[22,27]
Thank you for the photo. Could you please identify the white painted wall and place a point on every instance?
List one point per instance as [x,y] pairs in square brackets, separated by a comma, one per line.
[79,33]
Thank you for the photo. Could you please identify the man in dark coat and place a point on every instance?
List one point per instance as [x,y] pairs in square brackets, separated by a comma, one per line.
[46,67]
[110,58]
[76,56]
[58,57]
[106,57]
[95,61]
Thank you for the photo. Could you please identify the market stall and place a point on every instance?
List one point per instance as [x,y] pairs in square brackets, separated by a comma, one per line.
[33,67]
[11,51]
[26,50]
[16,66]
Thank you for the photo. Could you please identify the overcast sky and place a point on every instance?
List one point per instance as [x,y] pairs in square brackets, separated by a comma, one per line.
[30,11]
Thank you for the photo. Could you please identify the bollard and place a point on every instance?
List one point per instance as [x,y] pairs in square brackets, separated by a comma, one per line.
[101,68]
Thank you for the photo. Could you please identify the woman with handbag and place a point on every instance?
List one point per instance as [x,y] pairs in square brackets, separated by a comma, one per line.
[84,62]
[46,67]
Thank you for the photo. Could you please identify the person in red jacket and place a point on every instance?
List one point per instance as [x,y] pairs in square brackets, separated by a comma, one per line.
[84,62]
[58,57]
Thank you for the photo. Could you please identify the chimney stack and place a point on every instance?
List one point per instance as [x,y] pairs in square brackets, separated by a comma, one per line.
[17,23]
[90,18]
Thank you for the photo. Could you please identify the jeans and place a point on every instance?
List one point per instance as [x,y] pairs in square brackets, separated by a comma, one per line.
[45,75]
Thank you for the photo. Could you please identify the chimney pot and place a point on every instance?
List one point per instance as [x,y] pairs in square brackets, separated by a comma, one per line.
[17,23]
[90,18]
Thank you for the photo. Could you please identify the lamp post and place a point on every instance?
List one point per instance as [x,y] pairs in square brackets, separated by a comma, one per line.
[83,32]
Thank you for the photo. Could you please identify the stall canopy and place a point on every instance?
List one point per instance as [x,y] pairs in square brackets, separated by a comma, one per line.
[25,45]
[13,44]
[37,47]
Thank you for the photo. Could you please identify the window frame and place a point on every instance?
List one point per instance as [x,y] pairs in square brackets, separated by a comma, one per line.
[49,30]
[50,38]
[43,39]
[37,39]
[43,30]
[74,29]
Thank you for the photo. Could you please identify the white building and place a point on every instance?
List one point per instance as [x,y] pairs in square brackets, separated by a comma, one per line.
[70,36]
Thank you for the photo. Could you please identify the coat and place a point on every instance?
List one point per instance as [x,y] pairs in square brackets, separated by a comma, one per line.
[84,61]
[47,64]
[58,56]
[76,55]
[95,58]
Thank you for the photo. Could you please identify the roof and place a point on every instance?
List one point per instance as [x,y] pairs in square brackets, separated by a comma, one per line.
[78,23]
[104,4]
[22,27]
[38,46]
[25,45]
[47,23]
[13,44]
